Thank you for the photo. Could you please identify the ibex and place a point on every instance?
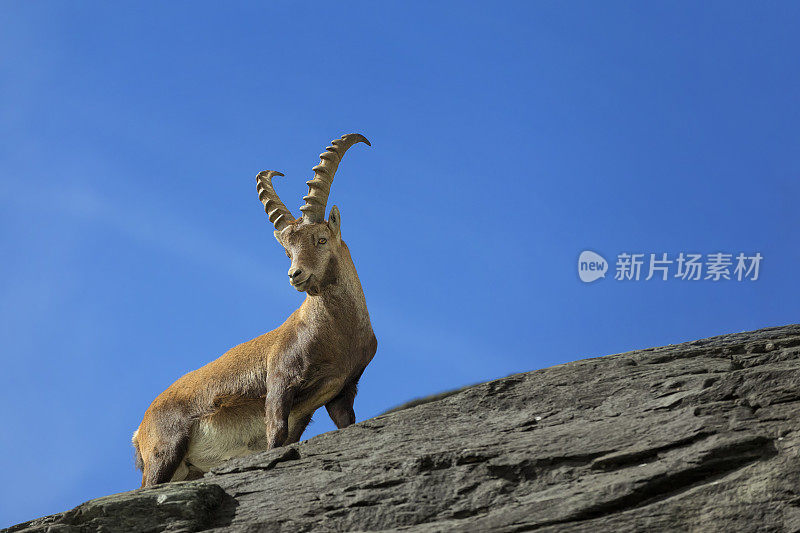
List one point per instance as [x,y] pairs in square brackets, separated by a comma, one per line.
[261,394]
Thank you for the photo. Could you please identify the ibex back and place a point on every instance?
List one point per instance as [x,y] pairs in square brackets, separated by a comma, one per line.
[261,394]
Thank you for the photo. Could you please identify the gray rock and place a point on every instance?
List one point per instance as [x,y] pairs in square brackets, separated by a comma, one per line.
[701,436]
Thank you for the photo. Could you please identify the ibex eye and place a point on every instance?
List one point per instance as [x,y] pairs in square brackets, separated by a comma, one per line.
[322,240]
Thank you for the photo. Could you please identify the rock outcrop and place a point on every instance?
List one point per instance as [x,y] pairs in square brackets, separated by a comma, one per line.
[701,436]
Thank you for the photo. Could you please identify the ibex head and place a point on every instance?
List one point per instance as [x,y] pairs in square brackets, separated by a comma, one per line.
[312,243]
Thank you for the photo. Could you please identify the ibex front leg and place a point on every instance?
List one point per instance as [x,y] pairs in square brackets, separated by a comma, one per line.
[340,408]
[296,428]
[278,404]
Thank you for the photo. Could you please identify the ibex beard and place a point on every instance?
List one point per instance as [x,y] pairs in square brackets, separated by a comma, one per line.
[261,394]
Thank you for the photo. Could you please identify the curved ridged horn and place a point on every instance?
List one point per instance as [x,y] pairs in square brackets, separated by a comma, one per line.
[278,213]
[319,187]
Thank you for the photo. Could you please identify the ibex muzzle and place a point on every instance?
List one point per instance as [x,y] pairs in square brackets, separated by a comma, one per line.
[261,394]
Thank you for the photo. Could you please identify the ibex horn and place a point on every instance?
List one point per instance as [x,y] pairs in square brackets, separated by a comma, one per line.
[278,213]
[319,187]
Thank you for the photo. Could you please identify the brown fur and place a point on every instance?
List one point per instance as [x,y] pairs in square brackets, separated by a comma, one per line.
[315,358]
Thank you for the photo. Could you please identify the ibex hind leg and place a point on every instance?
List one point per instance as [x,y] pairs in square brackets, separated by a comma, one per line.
[193,473]
[165,462]
[186,471]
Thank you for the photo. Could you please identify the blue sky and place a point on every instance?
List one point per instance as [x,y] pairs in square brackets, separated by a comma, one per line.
[506,139]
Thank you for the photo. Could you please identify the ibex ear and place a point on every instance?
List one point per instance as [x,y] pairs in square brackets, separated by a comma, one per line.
[335,221]
[277,236]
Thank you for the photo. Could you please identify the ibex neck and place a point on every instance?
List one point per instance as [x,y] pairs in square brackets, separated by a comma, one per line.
[343,300]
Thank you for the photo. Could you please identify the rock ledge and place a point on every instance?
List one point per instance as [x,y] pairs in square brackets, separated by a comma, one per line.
[700,436]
